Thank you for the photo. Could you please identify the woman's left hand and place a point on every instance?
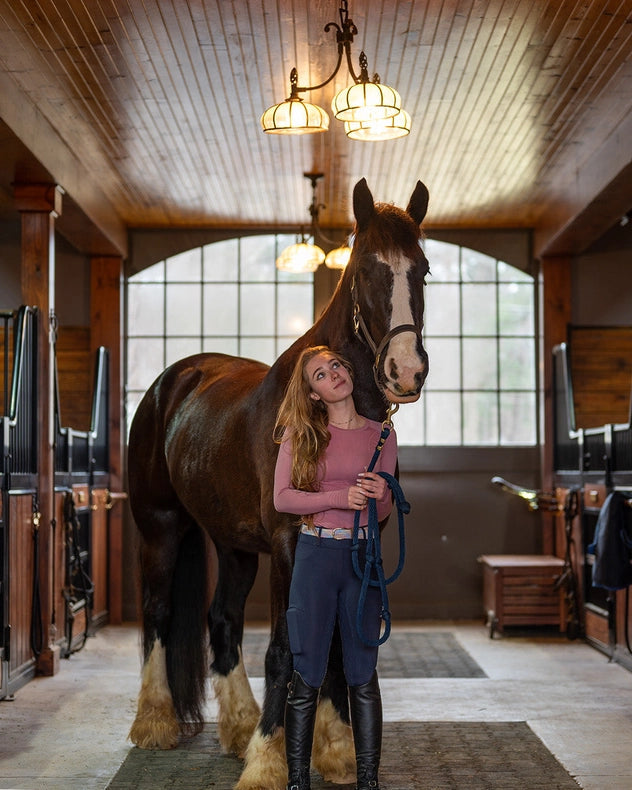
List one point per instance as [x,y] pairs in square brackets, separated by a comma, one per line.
[372,484]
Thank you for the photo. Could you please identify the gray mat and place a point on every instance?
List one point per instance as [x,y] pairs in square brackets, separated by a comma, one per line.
[405,654]
[416,755]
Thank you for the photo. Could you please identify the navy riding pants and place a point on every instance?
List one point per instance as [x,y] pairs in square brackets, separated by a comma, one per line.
[325,587]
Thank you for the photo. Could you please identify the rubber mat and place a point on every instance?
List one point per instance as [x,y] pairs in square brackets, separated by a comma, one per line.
[405,654]
[415,756]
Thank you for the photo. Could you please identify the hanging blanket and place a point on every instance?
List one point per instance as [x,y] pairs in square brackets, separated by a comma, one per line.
[612,545]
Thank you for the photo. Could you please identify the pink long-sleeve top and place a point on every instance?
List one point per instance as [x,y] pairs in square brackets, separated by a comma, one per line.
[349,452]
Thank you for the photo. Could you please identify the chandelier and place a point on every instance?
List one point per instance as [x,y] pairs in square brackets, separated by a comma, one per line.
[369,110]
[307,257]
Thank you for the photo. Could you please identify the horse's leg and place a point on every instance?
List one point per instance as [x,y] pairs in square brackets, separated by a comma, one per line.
[265,766]
[333,754]
[156,725]
[238,709]
[174,581]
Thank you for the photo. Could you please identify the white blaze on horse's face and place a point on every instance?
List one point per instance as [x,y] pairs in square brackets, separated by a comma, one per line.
[404,368]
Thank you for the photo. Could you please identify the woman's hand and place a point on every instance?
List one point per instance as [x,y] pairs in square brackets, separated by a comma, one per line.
[356,498]
[372,485]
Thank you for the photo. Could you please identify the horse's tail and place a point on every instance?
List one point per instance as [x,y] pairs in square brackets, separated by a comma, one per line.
[187,642]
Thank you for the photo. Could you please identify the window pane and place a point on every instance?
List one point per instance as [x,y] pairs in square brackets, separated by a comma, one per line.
[480,418]
[132,399]
[259,348]
[181,347]
[185,267]
[221,261]
[256,309]
[144,362]
[145,309]
[445,364]
[220,309]
[515,307]
[479,309]
[442,314]
[221,345]
[480,370]
[517,418]
[183,309]
[517,363]
[152,274]
[295,309]
[409,423]
[443,410]
[475,266]
[257,259]
[443,259]
[508,273]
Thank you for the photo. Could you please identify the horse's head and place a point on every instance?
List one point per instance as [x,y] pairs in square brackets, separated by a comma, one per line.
[386,273]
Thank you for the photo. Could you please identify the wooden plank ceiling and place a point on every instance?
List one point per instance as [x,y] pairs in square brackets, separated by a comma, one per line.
[149,109]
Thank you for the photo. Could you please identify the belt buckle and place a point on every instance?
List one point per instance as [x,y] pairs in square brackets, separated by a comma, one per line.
[340,533]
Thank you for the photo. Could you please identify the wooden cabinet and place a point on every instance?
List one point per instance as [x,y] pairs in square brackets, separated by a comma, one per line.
[520,590]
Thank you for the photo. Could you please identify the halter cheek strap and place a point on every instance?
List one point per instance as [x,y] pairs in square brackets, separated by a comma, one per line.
[361,330]
[372,575]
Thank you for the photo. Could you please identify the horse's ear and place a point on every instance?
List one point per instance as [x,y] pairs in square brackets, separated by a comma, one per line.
[363,206]
[418,204]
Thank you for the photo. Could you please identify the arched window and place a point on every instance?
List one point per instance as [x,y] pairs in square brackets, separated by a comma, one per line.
[229,297]
[480,337]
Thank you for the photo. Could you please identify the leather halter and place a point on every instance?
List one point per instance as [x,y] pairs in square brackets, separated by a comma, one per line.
[361,330]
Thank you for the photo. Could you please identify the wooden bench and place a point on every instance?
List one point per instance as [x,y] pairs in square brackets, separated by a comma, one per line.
[519,589]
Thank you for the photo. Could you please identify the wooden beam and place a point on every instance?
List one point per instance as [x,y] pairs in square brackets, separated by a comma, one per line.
[555,286]
[40,205]
[592,200]
[106,329]
[40,138]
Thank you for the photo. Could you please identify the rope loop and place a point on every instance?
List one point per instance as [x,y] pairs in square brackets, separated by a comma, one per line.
[372,575]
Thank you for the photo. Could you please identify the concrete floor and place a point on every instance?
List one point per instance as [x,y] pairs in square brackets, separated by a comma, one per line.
[69,732]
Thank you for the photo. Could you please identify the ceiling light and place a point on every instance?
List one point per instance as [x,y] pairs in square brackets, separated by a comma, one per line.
[304,257]
[379,129]
[299,258]
[338,258]
[365,101]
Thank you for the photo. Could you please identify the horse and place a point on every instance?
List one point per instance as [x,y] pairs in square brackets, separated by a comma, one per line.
[201,466]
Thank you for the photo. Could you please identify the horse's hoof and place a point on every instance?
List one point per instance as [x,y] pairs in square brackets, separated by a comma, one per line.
[265,767]
[154,732]
[333,755]
[238,711]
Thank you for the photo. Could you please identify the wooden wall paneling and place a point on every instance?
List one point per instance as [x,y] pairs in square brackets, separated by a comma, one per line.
[39,205]
[58,579]
[601,370]
[99,554]
[107,330]
[75,376]
[21,569]
[555,282]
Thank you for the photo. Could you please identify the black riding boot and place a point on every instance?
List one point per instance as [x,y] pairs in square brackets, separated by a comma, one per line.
[365,704]
[300,712]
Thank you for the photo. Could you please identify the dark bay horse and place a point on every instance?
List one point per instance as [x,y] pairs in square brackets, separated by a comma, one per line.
[201,465]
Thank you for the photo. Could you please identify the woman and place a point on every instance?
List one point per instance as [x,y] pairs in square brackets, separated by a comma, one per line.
[325,448]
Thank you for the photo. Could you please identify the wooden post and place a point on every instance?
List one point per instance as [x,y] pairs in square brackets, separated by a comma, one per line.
[106,330]
[39,206]
[556,316]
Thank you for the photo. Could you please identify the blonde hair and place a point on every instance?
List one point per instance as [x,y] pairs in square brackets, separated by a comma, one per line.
[304,420]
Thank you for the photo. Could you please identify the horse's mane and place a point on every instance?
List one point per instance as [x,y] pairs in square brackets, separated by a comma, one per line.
[390,229]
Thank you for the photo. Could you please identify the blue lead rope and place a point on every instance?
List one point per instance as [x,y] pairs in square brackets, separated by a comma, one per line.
[373,573]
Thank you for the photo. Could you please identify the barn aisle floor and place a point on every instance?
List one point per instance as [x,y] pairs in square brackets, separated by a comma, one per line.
[69,732]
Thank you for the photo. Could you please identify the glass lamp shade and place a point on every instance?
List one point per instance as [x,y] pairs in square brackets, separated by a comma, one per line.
[366,101]
[380,129]
[338,258]
[300,258]
[294,116]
